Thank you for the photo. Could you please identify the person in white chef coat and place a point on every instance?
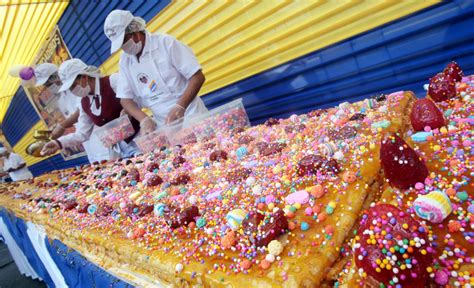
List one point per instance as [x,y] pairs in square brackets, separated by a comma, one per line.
[156,71]
[47,75]
[99,106]
[15,165]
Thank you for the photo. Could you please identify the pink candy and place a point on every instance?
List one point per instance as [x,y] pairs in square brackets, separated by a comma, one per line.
[301,197]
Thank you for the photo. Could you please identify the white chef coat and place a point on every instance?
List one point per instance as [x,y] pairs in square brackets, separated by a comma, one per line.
[84,132]
[13,161]
[161,76]
[95,150]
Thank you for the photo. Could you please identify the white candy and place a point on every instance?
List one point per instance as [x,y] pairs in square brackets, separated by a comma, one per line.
[270,258]
[257,190]
[250,181]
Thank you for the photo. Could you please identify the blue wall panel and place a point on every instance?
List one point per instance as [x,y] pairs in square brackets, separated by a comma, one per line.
[56,163]
[19,118]
[403,54]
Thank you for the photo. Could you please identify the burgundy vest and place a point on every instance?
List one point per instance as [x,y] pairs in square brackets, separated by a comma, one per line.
[111,107]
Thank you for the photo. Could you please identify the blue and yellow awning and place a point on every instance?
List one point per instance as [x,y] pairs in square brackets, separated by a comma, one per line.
[24,25]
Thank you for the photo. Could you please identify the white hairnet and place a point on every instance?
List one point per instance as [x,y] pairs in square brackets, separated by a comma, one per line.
[137,24]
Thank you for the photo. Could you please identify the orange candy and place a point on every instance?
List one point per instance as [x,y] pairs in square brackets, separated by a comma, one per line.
[228,240]
[265,264]
[316,191]
[451,192]
[245,264]
[322,216]
[291,225]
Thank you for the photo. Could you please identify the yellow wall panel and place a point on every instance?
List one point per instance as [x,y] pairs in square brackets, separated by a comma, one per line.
[26,140]
[237,39]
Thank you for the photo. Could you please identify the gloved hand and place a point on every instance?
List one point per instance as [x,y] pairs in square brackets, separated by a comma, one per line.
[50,148]
[147,125]
[177,112]
[58,131]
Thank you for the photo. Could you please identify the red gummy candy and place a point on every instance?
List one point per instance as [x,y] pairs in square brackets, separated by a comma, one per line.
[177,161]
[271,122]
[426,113]
[181,179]
[441,87]
[271,229]
[153,180]
[218,155]
[150,167]
[251,222]
[382,237]
[454,71]
[238,175]
[401,164]
[176,218]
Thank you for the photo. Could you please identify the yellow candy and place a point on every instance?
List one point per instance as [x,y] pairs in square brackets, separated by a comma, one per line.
[134,196]
[271,206]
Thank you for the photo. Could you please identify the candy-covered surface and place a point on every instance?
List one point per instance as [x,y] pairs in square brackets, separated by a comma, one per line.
[444,201]
[268,205]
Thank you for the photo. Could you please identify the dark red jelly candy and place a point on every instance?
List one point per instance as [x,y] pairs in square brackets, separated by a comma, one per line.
[271,229]
[181,179]
[238,174]
[178,161]
[271,122]
[150,167]
[426,113]
[357,116]
[245,139]
[388,234]
[134,174]
[208,145]
[176,218]
[310,164]
[145,210]
[267,149]
[83,208]
[401,164]
[331,166]
[218,155]
[295,128]
[131,209]
[105,210]
[454,71]
[342,133]
[251,222]
[153,180]
[441,87]
[69,205]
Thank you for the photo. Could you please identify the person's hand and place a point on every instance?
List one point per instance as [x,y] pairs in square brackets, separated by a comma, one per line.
[177,112]
[123,112]
[50,148]
[58,131]
[147,125]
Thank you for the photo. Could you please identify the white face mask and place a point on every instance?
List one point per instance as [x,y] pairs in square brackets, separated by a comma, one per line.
[80,91]
[132,48]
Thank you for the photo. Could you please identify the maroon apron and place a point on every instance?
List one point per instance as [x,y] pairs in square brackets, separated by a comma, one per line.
[110,107]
